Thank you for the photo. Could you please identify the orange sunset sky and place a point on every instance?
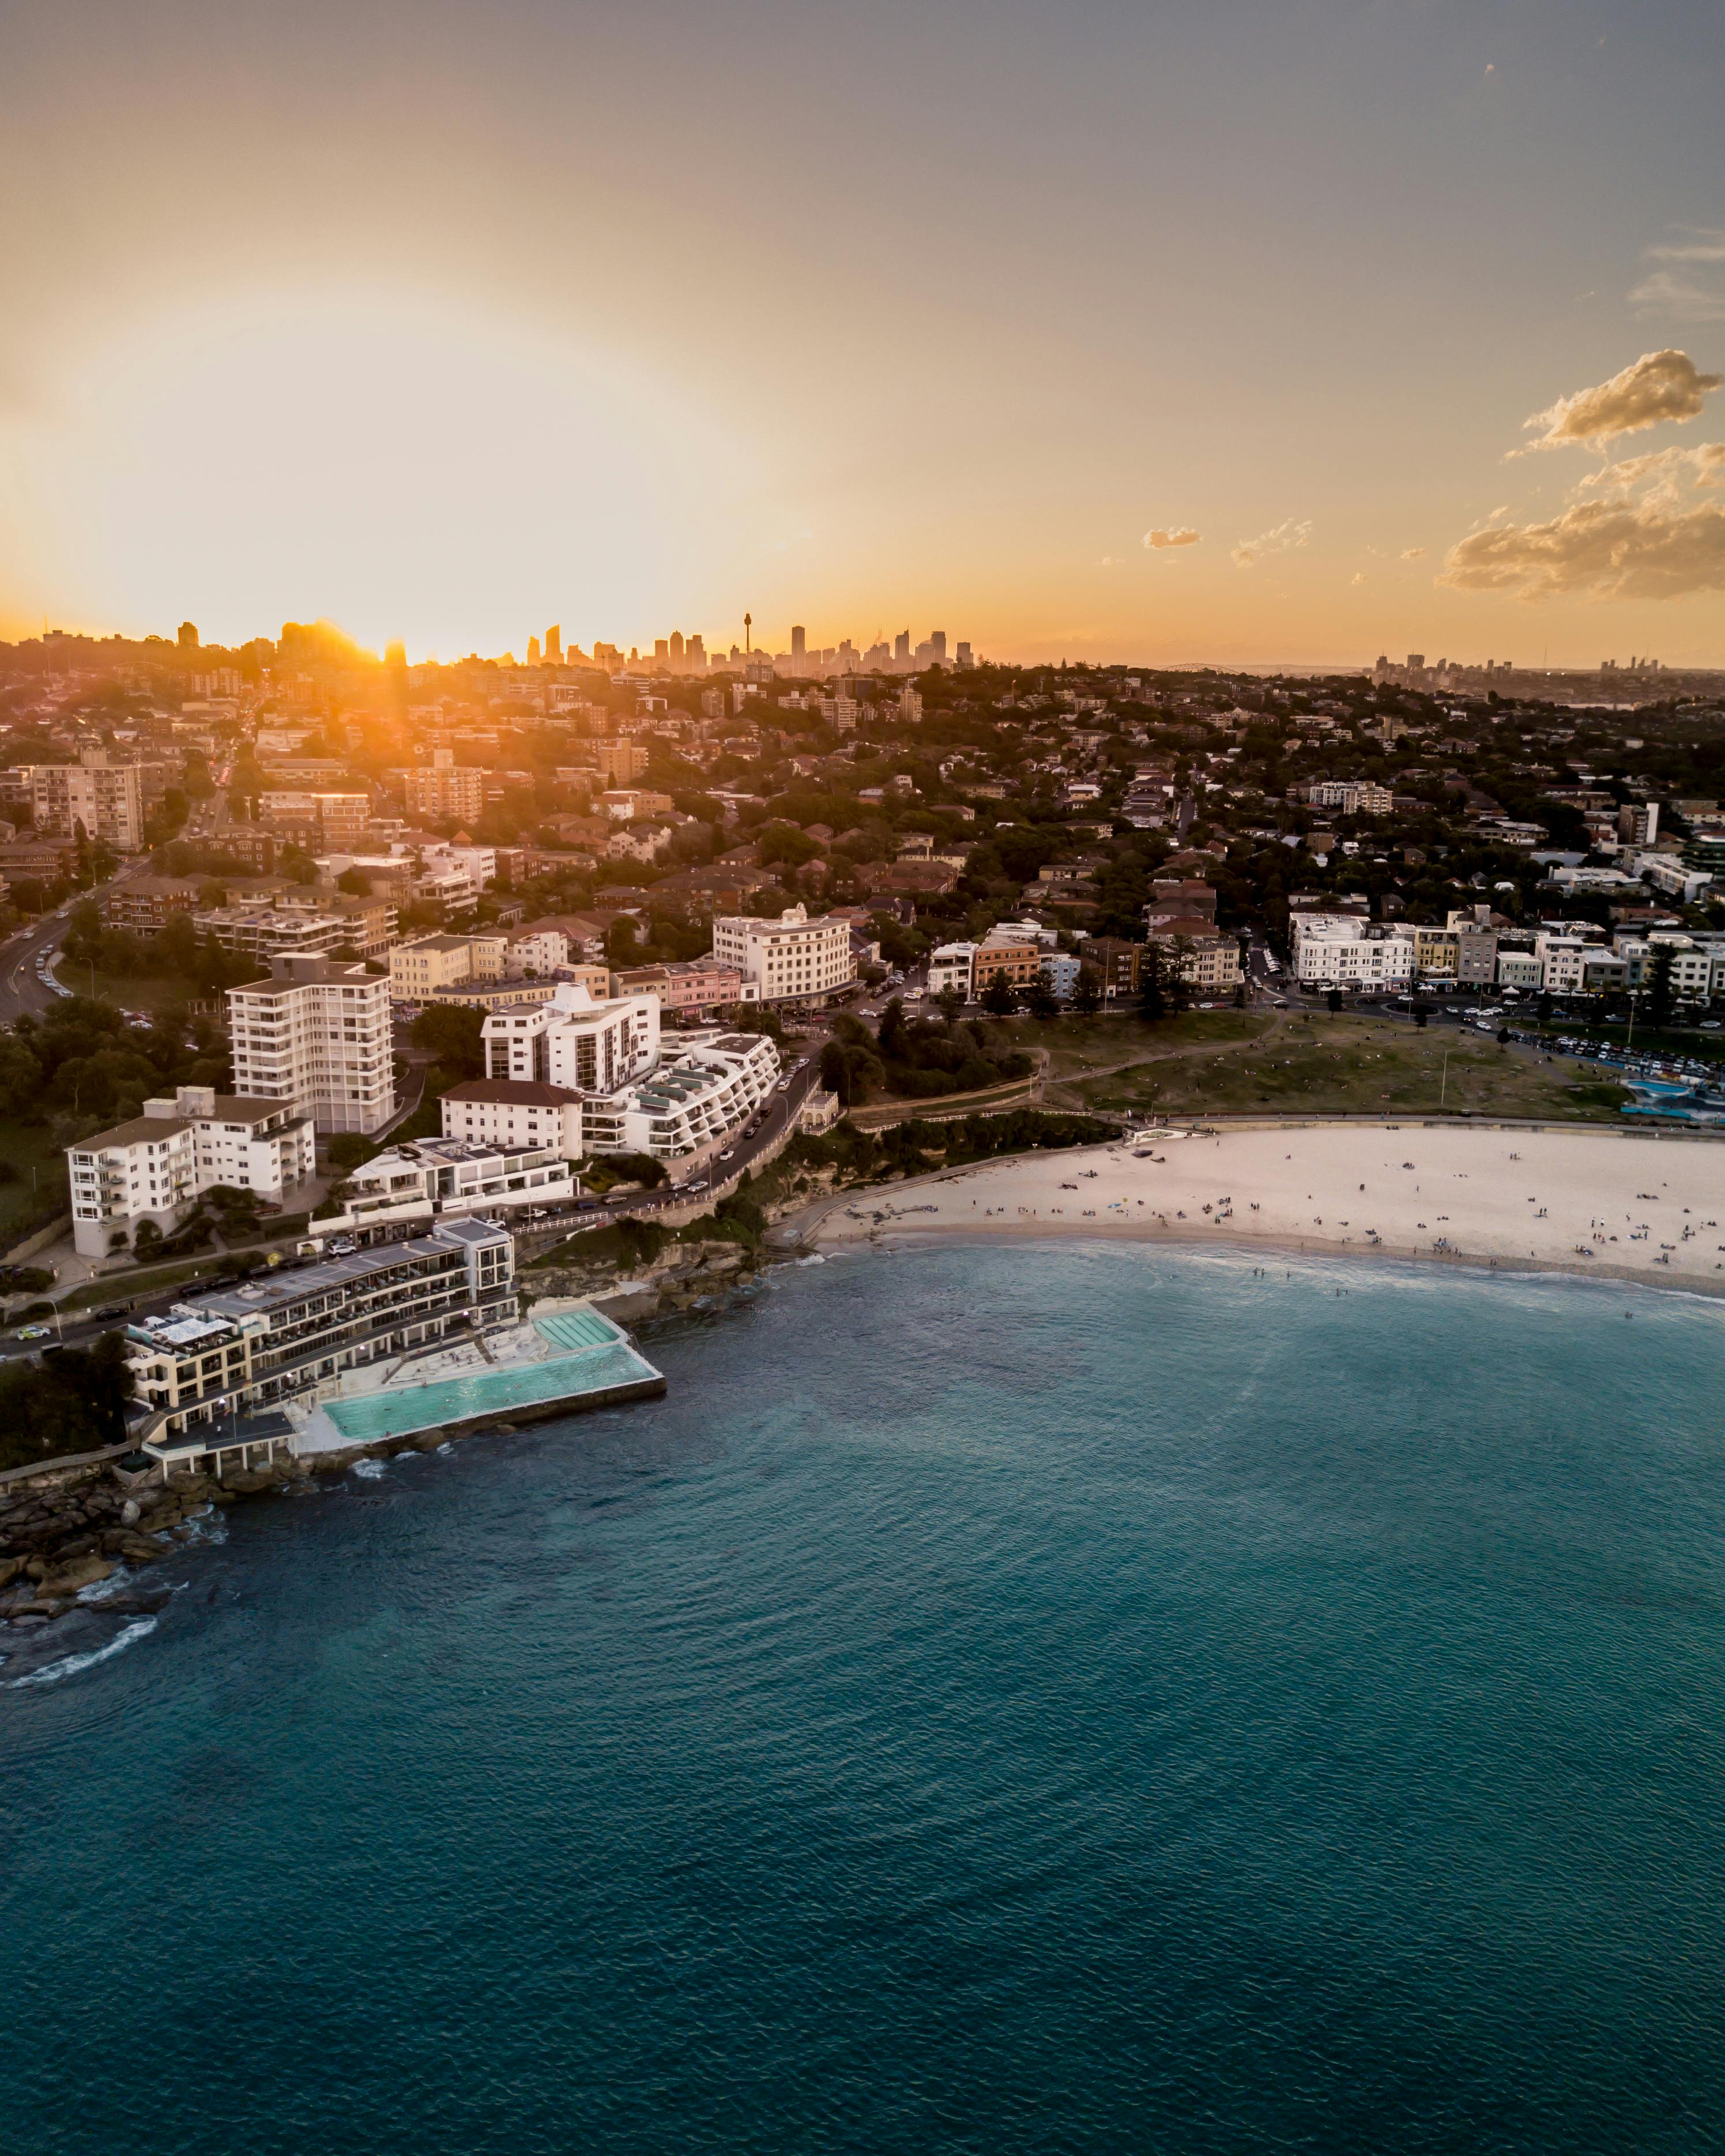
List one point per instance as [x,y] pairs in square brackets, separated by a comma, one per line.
[1166,332]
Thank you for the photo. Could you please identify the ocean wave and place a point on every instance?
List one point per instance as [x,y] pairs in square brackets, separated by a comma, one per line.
[70,1665]
[370,1470]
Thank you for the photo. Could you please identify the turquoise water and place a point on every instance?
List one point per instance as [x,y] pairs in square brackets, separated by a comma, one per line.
[408,1407]
[1000,1701]
[577,1329]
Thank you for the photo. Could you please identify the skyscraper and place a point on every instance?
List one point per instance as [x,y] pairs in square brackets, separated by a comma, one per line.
[188,636]
[901,645]
[937,637]
[800,645]
[532,651]
[676,647]
[554,644]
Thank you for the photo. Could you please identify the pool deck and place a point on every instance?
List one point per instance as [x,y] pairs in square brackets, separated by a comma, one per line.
[569,1359]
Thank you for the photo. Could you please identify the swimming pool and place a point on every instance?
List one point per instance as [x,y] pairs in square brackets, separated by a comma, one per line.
[402,1410]
[577,1330]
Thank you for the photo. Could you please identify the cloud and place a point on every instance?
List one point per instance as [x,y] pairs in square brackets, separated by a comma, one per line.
[1663,472]
[1608,550]
[1280,539]
[1680,284]
[1358,577]
[1158,539]
[1660,385]
[1413,553]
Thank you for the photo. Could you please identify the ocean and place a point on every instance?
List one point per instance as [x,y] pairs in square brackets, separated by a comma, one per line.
[1072,1699]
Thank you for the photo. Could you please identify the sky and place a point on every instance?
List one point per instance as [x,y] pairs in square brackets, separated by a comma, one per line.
[1178,330]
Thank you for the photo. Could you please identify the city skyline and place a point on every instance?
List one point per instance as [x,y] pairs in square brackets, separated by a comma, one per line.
[1199,336]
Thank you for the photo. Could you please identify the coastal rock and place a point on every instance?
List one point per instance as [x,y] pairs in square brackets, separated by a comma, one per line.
[250,1482]
[10,1568]
[82,1572]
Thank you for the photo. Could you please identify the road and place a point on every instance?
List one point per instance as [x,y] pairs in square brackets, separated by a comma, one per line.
[20,989]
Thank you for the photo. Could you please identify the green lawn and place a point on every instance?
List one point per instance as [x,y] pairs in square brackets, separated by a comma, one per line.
[40,1166]
[1346,1063]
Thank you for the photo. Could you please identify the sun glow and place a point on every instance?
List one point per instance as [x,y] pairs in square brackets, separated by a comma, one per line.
[407,469]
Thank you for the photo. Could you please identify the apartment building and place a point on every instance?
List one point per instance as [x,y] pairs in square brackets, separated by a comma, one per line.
[1007,954]
[260,933]
[1205,961]
[448,1178]
[687,1106]
[794,959]
[1341,951]
[244,1349]
[686,986]
[100,798]
[144,905]
[952,965]
[574,1040]
[315,1033]
[156,1167]
[512,1114]
[424,964]
[620,761]
[321,822]
[445,788]
[1349,797]
[1116,962]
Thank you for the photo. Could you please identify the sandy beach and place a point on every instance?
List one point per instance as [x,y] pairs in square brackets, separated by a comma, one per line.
[1629,1204]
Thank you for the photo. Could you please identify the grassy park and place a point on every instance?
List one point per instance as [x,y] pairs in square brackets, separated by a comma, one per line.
[1237,1062]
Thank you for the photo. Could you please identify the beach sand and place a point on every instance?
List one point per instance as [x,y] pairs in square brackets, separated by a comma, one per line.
[1630,1204]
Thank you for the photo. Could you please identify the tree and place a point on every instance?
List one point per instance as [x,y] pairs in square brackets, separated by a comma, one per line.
[355,882]
[453,1037]
[1504,1036]
[1152,983]
[894,1033]
[1333,1000]
[950,1004]
[999,998]
[1660,996]
[1040,998]
[1086,993]
[349,1150]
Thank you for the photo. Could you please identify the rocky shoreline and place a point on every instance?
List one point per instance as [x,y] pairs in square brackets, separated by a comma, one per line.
[66,1531]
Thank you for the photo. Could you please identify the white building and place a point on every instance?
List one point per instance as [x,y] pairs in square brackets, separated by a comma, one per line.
[1350,796]
[573,1040]
[316,1033]
[952,966]
[431,1178]
[1520,969]
[687,1106]
[1665,872]
[794,959]
[243,1348]
[259,933]
[597,1066]
[1339,950]
[158,1166]
[513,1114]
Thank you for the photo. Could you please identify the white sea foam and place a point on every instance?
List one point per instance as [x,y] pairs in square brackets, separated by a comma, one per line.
[447,1446]
[370,1469]
[72,1664]
[100,1590]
